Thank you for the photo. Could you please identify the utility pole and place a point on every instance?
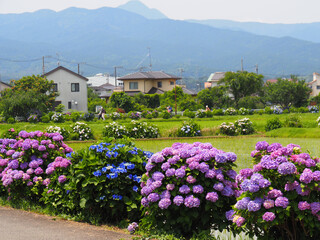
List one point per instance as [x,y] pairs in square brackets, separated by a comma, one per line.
[43,70]
[257,70]
[150,64]
[241,64]
[79,67]
[115,75]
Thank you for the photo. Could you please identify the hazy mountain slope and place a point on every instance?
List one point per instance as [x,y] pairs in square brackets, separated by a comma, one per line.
[303,31]
[108,37]
[141,9]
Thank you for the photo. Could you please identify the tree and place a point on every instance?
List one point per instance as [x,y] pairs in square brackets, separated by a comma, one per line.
[242,84]
[94,100]
[288,93]
[215,97]
[148,100]
[122,100]
[30,94]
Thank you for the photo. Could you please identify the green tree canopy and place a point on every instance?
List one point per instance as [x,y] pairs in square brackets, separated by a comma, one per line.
[122,100]
[242,84]
[215,97]
[30,94]
[288,93]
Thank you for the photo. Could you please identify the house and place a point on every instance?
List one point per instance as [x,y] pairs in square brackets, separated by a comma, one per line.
[148,82]
[104,90]
[315,85]
[214,79]
[100,79]
[4,85]
[72,88]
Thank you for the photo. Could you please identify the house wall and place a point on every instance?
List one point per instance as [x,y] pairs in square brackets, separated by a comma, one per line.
[79,100]
[145,85]
[315,85]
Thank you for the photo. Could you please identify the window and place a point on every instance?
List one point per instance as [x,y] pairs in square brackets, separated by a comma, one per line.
[133,85]
[171,82]
[318,87]
[69,105]
[75,87]
[159,84]
[55,87]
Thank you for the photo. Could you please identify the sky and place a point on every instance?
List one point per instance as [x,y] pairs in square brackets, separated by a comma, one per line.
[267,11]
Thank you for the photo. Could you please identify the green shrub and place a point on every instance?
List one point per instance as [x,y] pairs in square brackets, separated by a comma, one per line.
[81,131]
[33,118]
[261,111]
[189,114]
[142,130]
[75,116]
[189,129]
[273,124]
[115,130]
[103,184]
[230,111]
[201,113]
[87,116]
[240,127]
[65,133]
[11,133]
[209,114]
[166,115]
[57,118]
[60,108]
[45,119]
[11,120]
[217,112]
[293,121]
[268,110]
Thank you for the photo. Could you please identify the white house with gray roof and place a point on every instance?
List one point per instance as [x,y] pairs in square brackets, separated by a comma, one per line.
[72,88]
[214,79]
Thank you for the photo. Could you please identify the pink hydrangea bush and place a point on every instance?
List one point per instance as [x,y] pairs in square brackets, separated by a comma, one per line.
[280,196]
[27,162]
[187,188]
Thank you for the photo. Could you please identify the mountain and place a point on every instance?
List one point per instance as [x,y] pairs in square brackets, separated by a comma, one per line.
[103,38]
[304,31]
[141,9]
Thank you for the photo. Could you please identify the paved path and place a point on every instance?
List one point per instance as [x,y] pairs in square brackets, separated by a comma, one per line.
[18,224]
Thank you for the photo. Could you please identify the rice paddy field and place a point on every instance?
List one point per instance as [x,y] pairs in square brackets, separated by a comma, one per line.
[308,137]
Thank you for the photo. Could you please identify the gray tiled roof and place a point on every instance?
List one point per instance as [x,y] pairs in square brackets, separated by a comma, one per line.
[148,75]
[216,76]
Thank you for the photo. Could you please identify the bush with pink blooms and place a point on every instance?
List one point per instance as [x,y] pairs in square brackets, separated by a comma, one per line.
[280,196]
[188,188]
[27,162]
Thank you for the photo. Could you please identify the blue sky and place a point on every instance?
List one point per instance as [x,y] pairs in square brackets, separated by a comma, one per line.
[270,11]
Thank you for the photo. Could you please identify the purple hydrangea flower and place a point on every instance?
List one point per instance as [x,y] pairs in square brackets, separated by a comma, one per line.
[164,203]
[268,203]
[170,172]
[62,178]
[306,176]
[165,166]
[243,203]
[274,193]
[315,207]
[253,187]
[287,168]
[263,183]
[304,205]
[180,173]
[210,174]
[229,215]
[197,189]
[268,216]
[221,158]
[254,206]
[263,145]
[144,202]
[170,186]
[316,176]
[191,179]
[268,163]
[178,200]
[212,196]
[239,220]
[191,201]
[184,189]
[218,186]
[281,202]
[49,170]
[157,176]
[153,197]
[38,171]
[227,191]
[203,167]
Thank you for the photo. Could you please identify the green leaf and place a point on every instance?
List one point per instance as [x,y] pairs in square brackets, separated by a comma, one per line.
[83,202]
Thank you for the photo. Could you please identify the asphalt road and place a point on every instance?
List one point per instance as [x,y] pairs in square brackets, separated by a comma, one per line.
[18,224]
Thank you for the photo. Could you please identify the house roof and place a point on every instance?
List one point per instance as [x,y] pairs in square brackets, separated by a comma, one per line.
[188,91]
[6,84]
[215,77]
[148,75]
[154,90]
[272,81]
[67,70]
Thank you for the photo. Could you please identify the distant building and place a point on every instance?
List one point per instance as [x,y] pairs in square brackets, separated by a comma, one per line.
[315,85]
[104,90]
[148,82]
[214,79]
[72,88]
[271,81]
[100,79]
[4,86]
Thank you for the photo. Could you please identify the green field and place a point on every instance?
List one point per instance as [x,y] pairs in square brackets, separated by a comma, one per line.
[307,137]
